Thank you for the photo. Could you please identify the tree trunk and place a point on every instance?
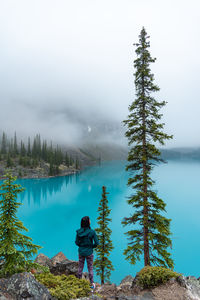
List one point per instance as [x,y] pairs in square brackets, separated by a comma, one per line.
[145,200]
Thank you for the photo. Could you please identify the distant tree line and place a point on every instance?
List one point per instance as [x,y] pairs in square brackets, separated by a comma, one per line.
[30,154]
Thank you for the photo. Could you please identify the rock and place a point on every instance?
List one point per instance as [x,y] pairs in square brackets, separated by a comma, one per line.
[93,297]
[125,285]
[58,258]
[23,286]
[59,264]
[43,260]
[145,296]
[128,280]
[85,276]
[107,290]
[172,280]
[193,286]
[67,267]
[181,281]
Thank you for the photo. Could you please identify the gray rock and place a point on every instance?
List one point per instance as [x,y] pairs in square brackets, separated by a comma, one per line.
[172,280]
[58,258]
[107,290]
[193,285]
[43,260]
[127,280]
[23,286]
[59,264]
[89,298]
[145,296]
[67,267]
[181,281]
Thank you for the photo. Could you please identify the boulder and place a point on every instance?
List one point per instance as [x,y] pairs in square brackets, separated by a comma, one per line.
[128,280]
[67,267]
[23,286]
[93,297]
[43,260]
[107,290]
[125,286]
[145,296]
[58,258]
[193,286]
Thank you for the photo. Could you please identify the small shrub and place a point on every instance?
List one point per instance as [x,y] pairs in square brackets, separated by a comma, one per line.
[153,276]
[64,287]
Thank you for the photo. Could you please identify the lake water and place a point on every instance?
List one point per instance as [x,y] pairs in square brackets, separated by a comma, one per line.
[52,209]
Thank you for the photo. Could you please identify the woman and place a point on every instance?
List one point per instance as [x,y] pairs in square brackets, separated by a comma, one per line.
[86,239]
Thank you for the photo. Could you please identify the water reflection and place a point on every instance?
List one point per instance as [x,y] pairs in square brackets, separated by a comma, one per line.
[37,190]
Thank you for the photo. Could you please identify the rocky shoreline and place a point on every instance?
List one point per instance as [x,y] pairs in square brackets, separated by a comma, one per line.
[39,172]
[25,286]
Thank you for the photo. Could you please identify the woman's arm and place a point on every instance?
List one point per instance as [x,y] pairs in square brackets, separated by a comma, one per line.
[96,241]
[77,242]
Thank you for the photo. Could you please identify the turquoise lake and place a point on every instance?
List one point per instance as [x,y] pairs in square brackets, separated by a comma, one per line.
[52,209]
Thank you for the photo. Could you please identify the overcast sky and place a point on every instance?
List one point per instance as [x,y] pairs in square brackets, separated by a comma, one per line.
[60,57]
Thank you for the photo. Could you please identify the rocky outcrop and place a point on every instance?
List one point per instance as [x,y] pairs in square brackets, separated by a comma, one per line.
[43,260]
[65,267]
[58,258]
[41,171]
[192,284]
[182,288]
[59,264]
[23,286]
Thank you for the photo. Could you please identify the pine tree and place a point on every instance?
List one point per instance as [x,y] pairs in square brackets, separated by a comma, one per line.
[4,144]
[66,159]
[44,151]
[51,169]
[22,149]
[20,173]
[150,236]
[71,161]
[9,161]
[29,147]
[11,148]
[102,264]
[16,249]
[77,164]
[15,145]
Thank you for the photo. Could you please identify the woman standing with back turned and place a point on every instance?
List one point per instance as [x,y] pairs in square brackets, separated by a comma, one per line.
[86,239]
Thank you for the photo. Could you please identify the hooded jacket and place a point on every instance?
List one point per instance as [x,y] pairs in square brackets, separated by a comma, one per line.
[86,239]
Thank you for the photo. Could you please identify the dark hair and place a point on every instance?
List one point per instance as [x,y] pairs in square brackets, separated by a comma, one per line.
[85,222]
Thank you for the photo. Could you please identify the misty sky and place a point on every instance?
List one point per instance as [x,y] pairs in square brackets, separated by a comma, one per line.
[67,64]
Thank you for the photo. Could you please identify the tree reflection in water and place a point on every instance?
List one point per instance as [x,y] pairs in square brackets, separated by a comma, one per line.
[38,189]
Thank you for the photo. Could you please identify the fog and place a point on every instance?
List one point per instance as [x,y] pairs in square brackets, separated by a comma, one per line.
[66,67]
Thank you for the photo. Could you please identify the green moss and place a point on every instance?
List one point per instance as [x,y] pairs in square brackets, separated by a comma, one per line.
[64,287]
[153,276]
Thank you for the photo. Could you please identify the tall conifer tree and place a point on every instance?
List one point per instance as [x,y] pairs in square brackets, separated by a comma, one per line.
[15,145]
[29,147]
[16,249]
[4,144]
[102,264]
[151,234]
